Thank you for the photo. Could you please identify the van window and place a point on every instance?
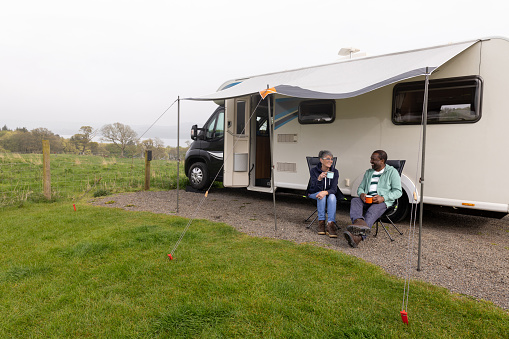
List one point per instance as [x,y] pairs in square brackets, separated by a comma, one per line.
[454,100]
[317,111]
[210,128]
[214,128]
[220,125]
[261,126]
[240,117]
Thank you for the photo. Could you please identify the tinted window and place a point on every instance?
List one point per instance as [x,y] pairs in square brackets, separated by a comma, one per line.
[455,100]
[317,111]
[241,117]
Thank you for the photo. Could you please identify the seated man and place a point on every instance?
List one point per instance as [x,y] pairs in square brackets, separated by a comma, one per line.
[382,185]
[323,186]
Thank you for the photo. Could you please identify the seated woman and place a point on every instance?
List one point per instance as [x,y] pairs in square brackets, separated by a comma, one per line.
[323,186]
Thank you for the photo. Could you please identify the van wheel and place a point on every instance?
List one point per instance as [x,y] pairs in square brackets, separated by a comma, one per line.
[401,211]
[198,176]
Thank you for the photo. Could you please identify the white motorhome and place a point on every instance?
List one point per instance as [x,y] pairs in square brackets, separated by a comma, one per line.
[356,106]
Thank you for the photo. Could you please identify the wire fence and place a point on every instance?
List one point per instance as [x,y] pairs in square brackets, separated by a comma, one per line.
[73,176]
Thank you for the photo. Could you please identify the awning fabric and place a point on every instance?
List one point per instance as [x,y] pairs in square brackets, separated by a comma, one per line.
[344,79]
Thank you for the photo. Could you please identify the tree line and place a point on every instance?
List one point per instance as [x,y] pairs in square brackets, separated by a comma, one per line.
[117,140]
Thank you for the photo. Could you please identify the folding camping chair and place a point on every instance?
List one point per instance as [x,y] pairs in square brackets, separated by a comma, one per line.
[398,165]
[313,162]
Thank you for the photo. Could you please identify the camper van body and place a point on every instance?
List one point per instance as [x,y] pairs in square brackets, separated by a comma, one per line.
[465,165]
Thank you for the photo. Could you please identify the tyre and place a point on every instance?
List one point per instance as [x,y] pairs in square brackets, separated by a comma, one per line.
[401,209]
[198,176]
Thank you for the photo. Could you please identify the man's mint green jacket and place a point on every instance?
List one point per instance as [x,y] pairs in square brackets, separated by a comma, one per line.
[389,185]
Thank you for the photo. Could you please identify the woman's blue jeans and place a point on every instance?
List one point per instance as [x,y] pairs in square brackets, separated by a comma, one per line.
[326,203]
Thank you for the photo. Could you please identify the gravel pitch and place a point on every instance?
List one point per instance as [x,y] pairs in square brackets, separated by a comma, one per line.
[465,254]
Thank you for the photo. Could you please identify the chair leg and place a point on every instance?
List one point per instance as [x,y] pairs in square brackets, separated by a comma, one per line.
[393,225]
[311,223]
[385,229]
[311,216]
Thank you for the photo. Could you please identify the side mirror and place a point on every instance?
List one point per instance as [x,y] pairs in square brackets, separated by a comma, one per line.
[194,132]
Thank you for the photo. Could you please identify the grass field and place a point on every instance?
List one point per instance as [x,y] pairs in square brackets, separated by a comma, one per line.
[74,175]
[101,272]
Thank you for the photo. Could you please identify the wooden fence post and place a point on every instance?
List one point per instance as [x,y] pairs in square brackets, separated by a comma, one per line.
[148,158]
[46,172]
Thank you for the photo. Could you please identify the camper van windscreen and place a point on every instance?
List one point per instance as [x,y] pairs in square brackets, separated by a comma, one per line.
[455,100]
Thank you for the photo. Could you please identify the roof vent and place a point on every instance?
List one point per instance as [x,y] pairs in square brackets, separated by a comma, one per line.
[350,52]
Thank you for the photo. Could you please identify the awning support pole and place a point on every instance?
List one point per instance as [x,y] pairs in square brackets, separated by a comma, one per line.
[423,155]
[178,151]
[272,161]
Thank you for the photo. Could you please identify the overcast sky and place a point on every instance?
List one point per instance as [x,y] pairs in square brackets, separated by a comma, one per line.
[99,62]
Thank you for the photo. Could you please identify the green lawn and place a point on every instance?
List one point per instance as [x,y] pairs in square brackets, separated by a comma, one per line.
[102,272]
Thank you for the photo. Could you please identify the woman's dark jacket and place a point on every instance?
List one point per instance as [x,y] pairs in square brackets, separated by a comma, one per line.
[331,185]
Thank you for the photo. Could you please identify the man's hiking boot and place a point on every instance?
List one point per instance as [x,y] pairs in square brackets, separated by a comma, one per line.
[353,240]
[360,222]
[331,230]
[359,227]
[321,227]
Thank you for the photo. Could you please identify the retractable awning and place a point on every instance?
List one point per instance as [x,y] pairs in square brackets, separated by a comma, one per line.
[344,79]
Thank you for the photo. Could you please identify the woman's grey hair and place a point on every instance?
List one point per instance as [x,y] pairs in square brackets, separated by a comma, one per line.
[323,153]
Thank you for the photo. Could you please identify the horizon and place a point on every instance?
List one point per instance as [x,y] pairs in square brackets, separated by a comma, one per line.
[167,134]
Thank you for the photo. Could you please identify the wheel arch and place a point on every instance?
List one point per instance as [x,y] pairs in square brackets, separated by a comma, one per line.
[409,188]
[192,160]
